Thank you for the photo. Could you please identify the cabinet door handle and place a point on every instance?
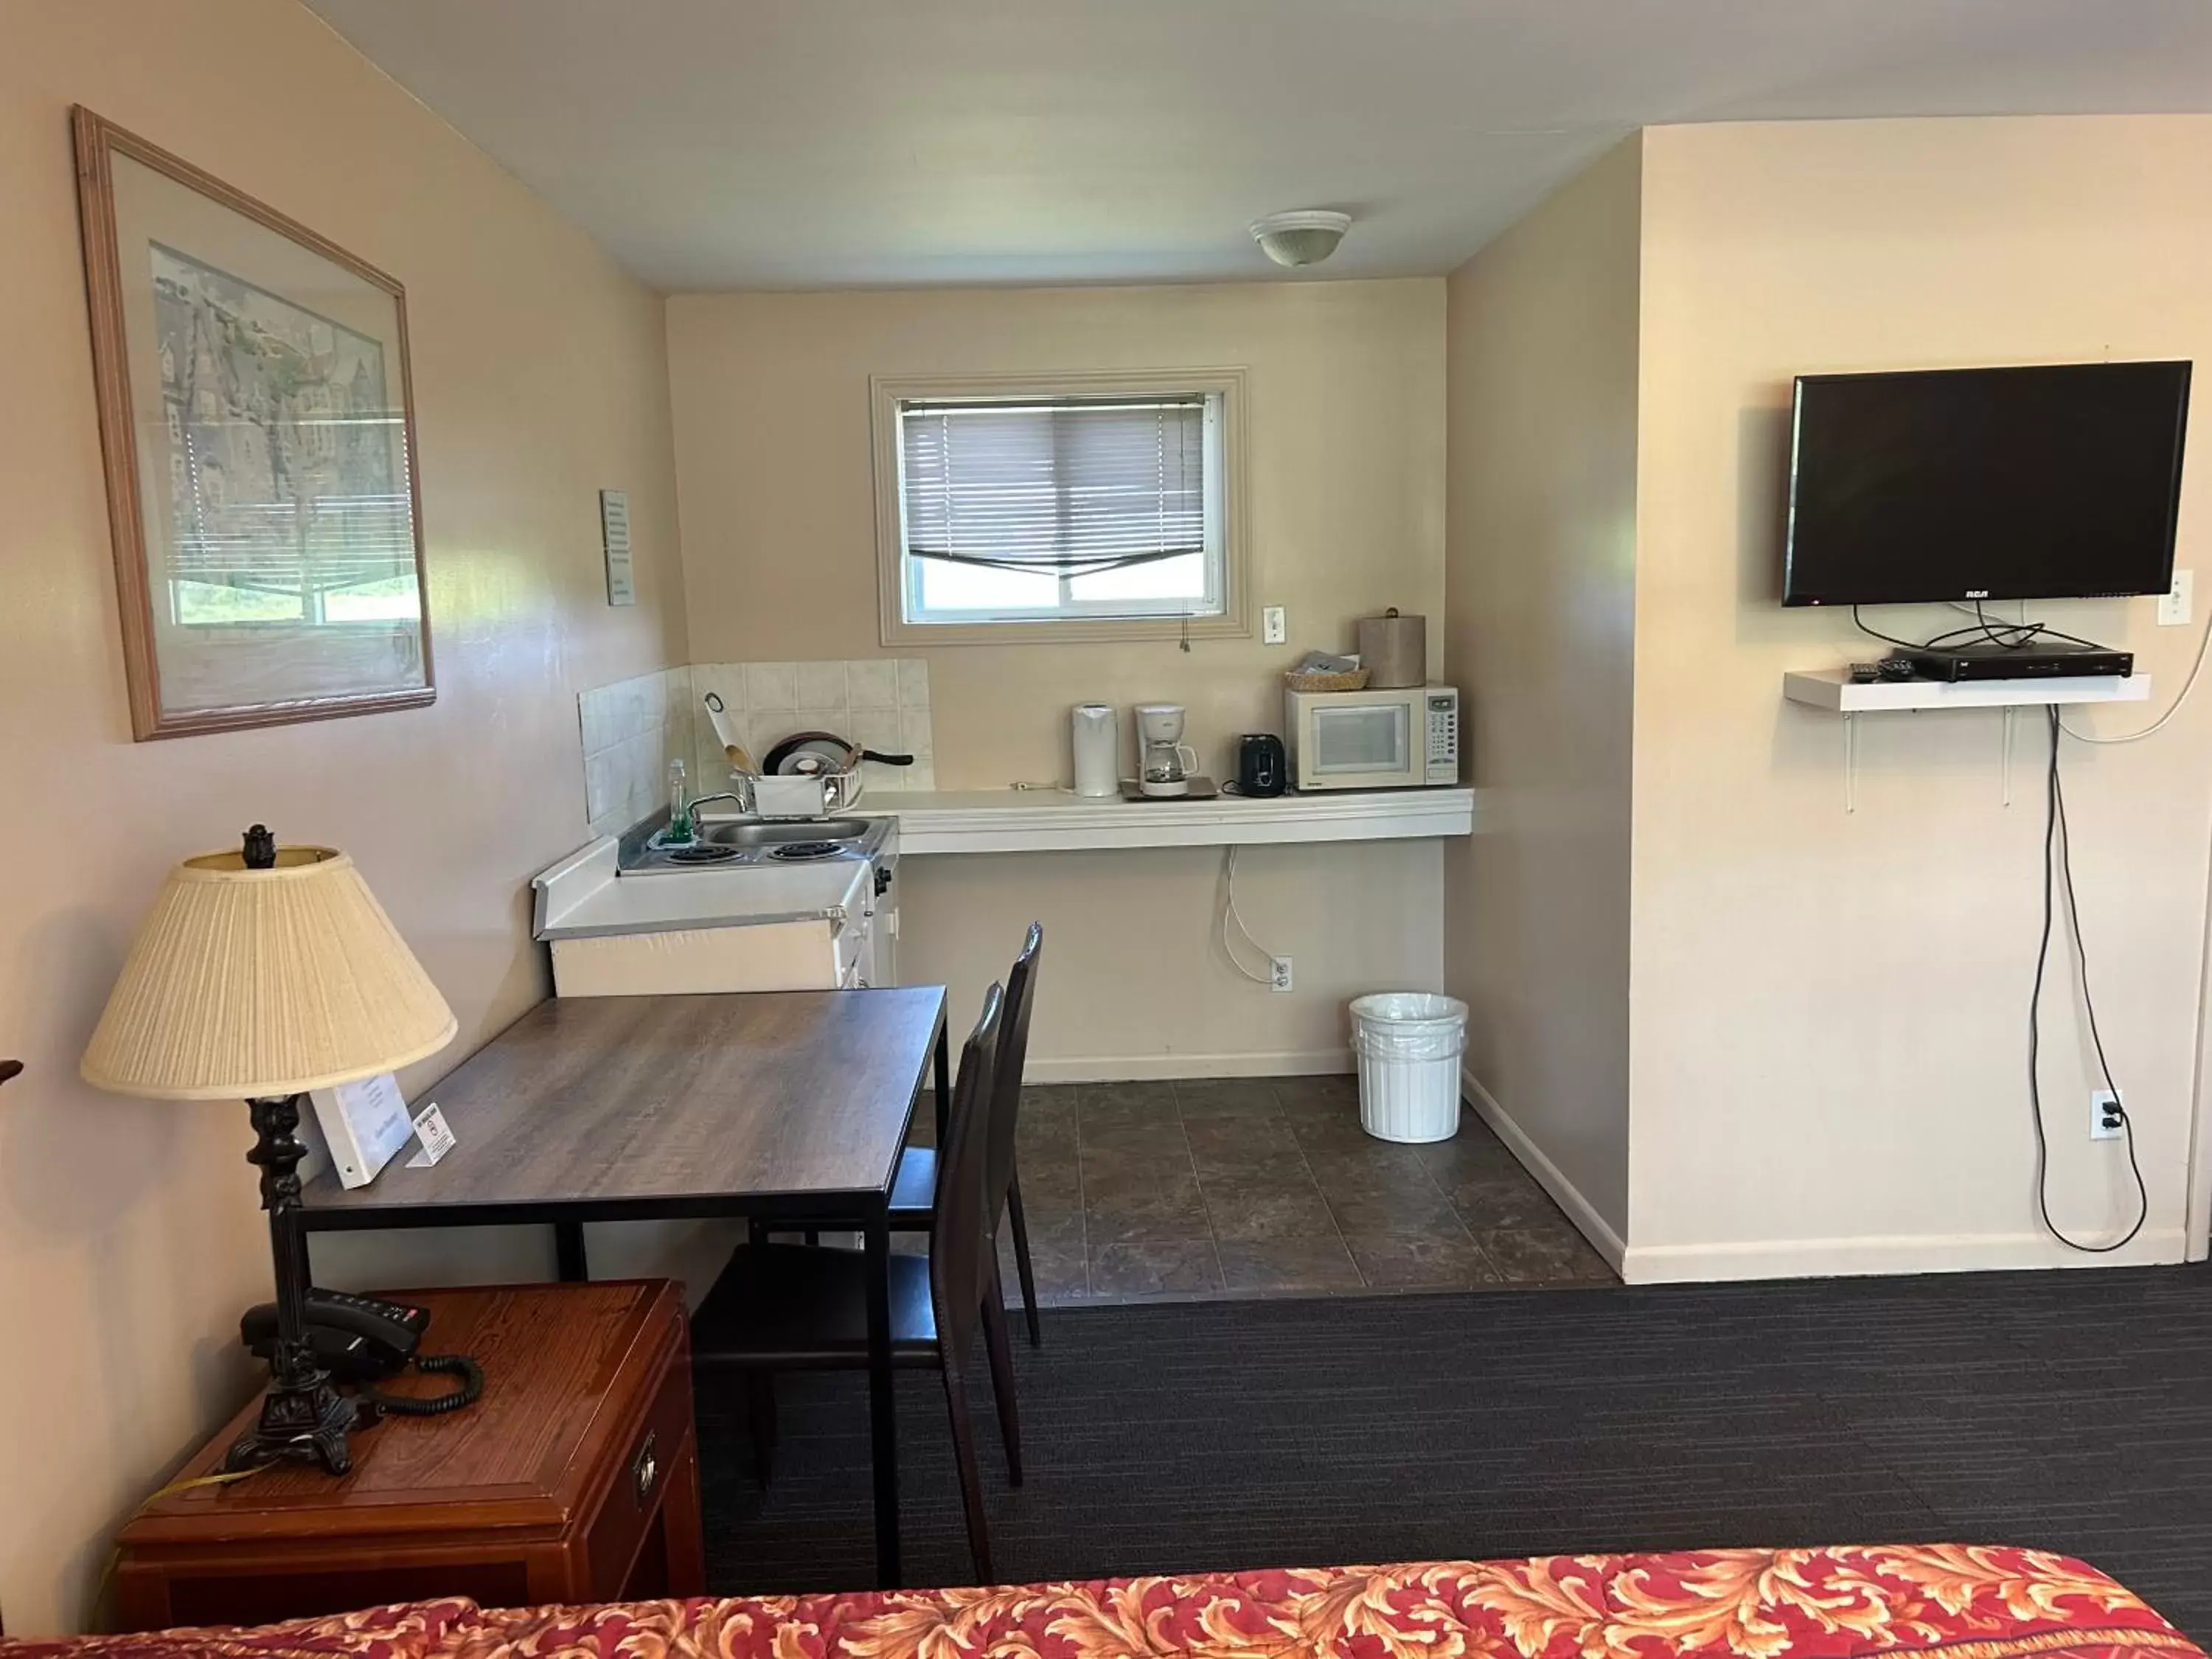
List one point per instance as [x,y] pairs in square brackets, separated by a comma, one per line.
[645,1471]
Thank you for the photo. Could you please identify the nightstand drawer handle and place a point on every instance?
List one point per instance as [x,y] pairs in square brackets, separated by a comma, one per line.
[645,1473]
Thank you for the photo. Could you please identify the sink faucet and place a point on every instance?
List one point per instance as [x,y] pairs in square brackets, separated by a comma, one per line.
[743,805]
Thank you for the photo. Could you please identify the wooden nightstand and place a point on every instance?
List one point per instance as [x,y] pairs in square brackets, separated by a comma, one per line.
[575,1479]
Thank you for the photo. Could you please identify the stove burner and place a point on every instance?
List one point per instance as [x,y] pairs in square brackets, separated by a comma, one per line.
[700,853]
[804,851]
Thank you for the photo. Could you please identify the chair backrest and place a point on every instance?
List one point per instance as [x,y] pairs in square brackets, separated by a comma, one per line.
[958,1234]
[1006,1081]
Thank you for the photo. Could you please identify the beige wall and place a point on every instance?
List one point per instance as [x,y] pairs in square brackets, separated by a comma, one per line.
[1829,1008]
[1541,578]
[1345,435]
[1345,431]
[129,1235]
[1137,984]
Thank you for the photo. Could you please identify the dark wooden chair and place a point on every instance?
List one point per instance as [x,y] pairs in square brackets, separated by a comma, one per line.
[800,1307]
[916,1181]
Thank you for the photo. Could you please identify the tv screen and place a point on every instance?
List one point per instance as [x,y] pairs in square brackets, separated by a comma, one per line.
[1984,483]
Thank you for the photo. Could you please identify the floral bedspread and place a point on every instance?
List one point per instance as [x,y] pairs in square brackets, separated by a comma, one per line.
[1971,1601]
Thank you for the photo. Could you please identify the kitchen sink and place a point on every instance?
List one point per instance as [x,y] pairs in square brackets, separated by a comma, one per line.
[754,833]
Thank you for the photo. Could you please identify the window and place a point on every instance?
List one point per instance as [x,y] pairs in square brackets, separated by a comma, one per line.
[1093,507]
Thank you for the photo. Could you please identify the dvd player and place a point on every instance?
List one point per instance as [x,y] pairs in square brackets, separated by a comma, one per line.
[2043,660]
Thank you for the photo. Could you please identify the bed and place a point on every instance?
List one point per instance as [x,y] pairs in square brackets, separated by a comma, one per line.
[1965,1602]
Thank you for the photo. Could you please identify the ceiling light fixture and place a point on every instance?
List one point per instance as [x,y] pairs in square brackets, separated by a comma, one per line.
[1305,237]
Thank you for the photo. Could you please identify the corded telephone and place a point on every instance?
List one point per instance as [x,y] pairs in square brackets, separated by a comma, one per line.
[359,1338]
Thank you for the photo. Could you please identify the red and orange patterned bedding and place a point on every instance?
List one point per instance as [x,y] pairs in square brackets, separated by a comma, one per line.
[1967,1602]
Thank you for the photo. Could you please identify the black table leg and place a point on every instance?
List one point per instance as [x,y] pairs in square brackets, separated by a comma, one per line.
[569,1252]
[883,1416]
[944,1087]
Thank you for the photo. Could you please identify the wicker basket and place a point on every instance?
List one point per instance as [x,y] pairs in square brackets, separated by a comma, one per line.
[1354,681]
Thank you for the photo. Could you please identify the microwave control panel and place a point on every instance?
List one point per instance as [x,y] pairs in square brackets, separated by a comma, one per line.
[1444,737]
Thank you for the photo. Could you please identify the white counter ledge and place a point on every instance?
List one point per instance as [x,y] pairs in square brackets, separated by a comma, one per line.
[582,897]
[1054,821]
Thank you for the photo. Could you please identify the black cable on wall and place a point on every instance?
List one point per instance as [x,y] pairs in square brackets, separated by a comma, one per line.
[2058,876]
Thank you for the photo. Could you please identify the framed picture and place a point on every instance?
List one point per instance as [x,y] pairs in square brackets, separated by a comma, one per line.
[259,440]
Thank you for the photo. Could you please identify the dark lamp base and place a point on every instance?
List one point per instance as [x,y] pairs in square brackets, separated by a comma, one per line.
[303,1417]
[299,1425]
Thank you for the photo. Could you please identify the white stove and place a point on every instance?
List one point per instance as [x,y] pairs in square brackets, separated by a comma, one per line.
[751,906]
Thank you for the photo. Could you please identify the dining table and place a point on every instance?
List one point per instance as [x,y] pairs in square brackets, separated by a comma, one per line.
[786,1108]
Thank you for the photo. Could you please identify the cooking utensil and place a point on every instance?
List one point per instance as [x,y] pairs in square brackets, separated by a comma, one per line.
[813,754]
[726,734]
[809,757]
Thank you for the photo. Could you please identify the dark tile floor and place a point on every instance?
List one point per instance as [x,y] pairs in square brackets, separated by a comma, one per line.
[1266,1185]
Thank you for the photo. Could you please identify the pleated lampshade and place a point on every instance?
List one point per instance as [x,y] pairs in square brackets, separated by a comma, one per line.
[247,983]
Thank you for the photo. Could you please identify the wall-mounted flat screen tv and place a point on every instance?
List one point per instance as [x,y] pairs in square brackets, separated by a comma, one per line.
[2061,481]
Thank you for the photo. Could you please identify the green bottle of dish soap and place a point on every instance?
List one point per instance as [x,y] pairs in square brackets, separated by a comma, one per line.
[679,806]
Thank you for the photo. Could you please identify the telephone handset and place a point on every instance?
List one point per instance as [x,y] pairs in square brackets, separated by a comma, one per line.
[359,1338]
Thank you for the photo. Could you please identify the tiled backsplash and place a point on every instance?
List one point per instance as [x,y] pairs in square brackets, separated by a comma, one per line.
[632,728]
[879,703]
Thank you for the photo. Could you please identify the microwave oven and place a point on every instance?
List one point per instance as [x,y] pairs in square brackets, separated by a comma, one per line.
[1372,739]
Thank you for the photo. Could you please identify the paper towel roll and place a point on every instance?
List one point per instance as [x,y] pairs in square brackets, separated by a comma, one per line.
[1394,649]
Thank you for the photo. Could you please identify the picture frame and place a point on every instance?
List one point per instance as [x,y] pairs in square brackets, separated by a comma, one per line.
[257,432]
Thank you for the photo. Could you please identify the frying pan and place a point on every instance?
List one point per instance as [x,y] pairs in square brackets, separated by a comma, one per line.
[811,754]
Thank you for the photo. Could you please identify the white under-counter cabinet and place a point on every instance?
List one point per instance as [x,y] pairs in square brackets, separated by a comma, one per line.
[822,926]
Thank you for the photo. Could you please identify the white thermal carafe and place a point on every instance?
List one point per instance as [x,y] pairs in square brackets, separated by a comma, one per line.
[1095,734]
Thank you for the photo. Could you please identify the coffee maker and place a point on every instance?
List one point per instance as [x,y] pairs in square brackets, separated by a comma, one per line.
[1164,761]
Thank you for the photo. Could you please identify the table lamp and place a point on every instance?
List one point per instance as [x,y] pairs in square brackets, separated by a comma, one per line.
[261,974]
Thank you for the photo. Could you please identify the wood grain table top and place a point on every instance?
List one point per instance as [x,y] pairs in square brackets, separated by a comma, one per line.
[567,1367]
[665,1104]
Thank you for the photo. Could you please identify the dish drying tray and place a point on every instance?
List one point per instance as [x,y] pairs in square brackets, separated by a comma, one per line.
[821,795]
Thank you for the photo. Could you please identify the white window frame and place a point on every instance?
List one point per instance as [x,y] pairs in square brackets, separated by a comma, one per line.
[1223,389]
[1212,602]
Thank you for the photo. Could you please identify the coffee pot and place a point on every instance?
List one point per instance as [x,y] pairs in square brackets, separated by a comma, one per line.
[1164,762]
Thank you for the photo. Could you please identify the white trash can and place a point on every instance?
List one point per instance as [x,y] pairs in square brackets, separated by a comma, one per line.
[1409,1045]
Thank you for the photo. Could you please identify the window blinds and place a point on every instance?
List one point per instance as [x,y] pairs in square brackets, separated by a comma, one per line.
[1074,487]
[304,507]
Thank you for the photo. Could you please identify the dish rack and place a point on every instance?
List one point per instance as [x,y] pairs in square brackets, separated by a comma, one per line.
[817,795]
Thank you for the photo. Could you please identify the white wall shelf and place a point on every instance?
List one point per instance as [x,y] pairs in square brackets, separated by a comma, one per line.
[1050,820]
[1832,690]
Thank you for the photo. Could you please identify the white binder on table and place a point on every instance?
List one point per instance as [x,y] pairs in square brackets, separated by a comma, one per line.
[363,1124]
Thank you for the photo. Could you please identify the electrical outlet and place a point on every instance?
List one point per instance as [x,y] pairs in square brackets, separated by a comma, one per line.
[1273,632]
[2175,604]
[1278,968]
[2105,1121]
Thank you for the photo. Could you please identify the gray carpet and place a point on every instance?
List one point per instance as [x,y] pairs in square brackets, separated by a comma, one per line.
[2071,1411]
